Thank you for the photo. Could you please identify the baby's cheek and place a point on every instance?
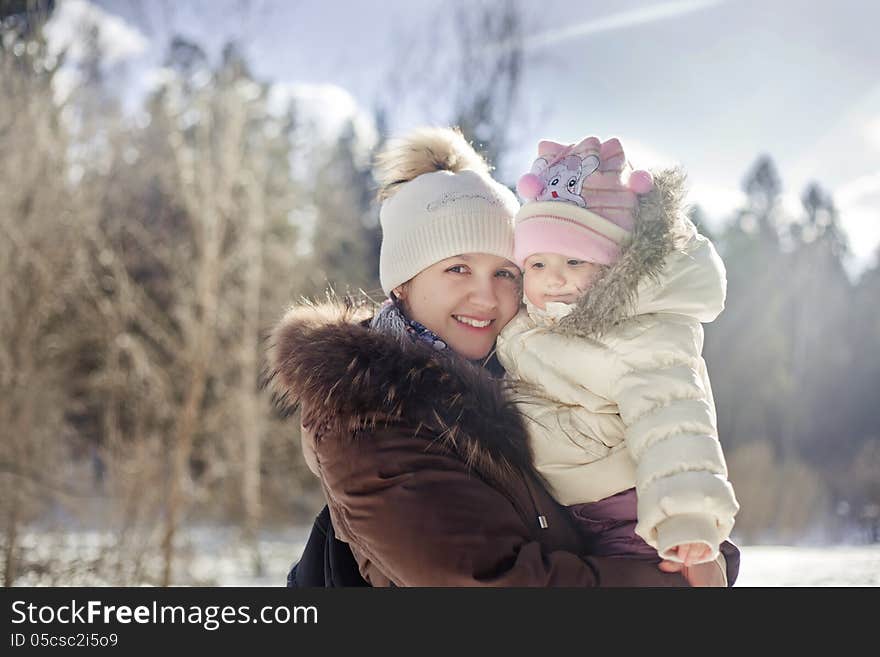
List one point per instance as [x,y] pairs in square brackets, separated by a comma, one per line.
[586,279]
[586,284]
[532,288]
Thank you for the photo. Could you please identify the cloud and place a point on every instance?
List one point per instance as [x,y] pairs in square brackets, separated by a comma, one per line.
[325,110]
[333,103]
[792,206]
[845,148]
[872,131]
[72,21]
[326,107]
[858,203]
[862,225]
[643,156]
[67,32]
[718,201]
[640,16]
[854,191]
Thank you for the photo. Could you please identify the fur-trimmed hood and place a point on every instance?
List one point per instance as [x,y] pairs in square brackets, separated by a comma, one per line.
[351,379]
[666,266]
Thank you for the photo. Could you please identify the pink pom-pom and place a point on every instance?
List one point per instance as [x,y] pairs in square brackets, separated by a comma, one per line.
[529,187]
[641,182]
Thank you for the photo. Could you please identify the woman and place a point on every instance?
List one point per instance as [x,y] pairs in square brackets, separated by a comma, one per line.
[423,461]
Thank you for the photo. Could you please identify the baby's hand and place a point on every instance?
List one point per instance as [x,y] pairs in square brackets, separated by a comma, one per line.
[710,573]
[692,553]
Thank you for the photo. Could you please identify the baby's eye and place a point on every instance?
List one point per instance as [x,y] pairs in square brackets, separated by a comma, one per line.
[574,262]
[555,181]
[537,265]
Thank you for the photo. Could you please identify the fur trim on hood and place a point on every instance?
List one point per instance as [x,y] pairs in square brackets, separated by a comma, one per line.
[619,291]
[352,379]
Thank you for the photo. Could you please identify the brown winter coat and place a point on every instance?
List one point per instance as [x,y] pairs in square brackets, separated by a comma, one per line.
[425,464]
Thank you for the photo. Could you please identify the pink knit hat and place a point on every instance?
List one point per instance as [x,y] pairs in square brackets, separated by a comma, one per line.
[580,201]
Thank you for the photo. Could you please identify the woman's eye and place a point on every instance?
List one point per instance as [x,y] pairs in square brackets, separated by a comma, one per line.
[506,273]
[458,269]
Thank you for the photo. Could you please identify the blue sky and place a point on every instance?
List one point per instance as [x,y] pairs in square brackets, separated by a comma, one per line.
[709,84]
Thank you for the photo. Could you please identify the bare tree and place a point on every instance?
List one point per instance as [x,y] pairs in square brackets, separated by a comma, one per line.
[38,281]
[466,70]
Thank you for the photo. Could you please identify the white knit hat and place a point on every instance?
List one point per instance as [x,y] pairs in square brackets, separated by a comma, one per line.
[447,208]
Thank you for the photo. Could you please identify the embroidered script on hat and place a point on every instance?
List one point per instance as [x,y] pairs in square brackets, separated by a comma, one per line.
[450,197]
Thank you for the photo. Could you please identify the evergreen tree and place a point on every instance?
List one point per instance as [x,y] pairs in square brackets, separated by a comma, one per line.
[700,221]
[745,346]
[344,246]
[817,316]
[859,479]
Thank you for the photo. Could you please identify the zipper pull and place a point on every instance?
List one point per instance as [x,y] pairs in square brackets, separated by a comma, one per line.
[542,521]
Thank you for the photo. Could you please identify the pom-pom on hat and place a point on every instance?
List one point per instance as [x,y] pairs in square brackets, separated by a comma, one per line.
[438,201]
[580,201]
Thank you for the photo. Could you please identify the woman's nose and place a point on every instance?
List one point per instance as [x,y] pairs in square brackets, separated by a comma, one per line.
[483,294]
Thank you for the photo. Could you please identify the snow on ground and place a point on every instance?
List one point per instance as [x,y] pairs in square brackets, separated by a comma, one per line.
[765,565]
[762,565]
[215,556]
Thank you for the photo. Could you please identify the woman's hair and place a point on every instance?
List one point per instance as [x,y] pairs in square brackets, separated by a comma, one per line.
[421,151]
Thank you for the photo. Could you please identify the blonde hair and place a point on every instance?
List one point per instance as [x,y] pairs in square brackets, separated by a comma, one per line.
[421,151]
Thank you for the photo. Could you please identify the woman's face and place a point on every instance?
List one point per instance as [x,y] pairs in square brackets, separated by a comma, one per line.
[466,300]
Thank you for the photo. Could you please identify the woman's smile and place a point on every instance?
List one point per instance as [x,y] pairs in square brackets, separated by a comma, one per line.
[472,322]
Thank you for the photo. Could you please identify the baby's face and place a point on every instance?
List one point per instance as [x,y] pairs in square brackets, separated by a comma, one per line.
[551,277]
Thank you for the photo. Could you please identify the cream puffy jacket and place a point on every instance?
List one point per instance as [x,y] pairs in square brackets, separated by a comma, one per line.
[615,389]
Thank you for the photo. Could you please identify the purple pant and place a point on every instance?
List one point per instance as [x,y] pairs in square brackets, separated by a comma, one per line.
[608,527]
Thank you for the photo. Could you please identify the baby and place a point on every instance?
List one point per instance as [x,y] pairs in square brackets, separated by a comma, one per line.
[606,356]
